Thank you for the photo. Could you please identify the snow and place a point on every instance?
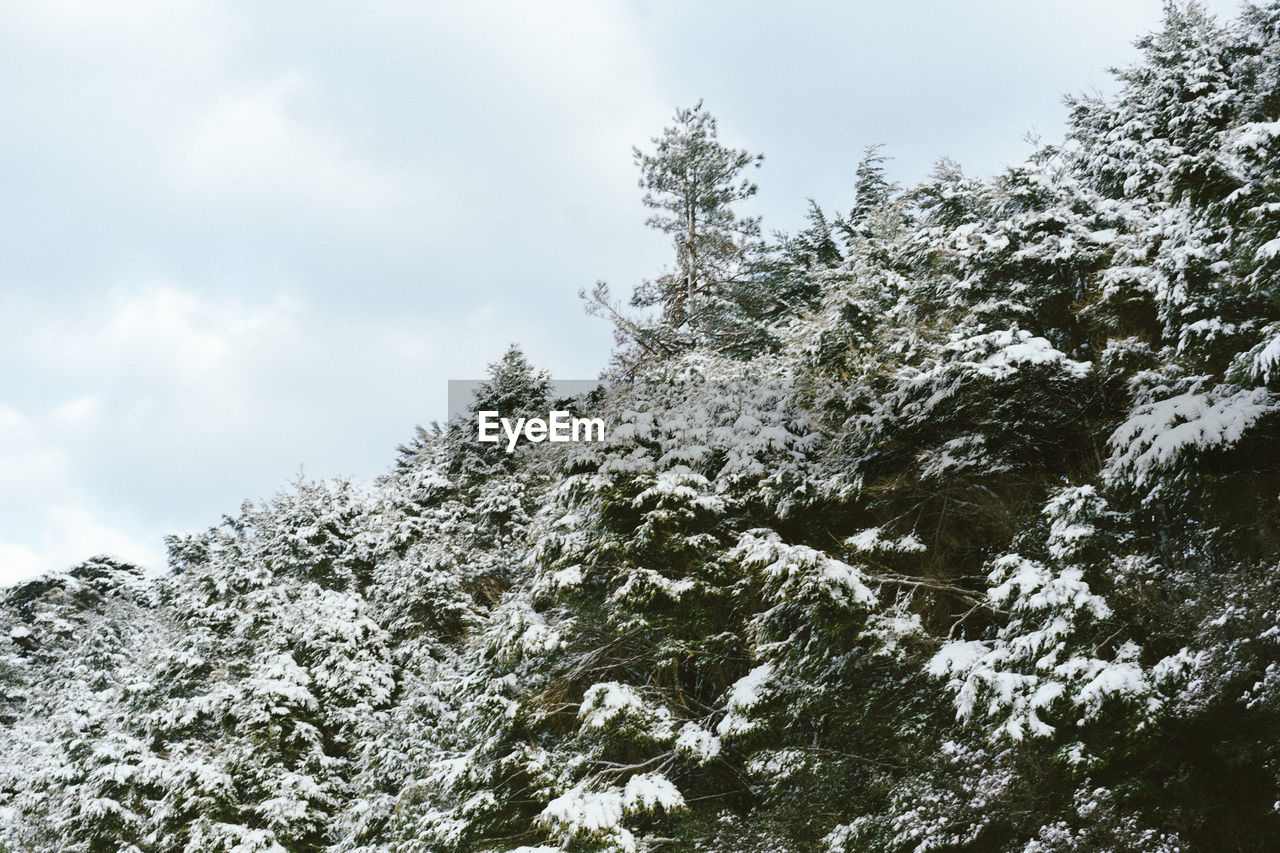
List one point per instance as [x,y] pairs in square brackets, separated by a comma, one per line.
[605,701]
[570,576]
[1158,434]
[283,685]
[957,457]
[234,839]
[401,668]
[569,521]
[534,635]
[871,541]
[1043,655]
[583,812]
[845,575]
[994,355]
[891,628]
[958,657]
[795,568]
[681,484]
[608,702]
[745,693]
[641,581]
[646,792]
[1072,513]
[1021,349]
[1264,358]
[776,764]
[697,742]
[1028,585]
[579,810]
[1255,135]
[1121,676]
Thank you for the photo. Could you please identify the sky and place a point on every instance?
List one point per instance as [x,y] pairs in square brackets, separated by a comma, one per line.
[242,242]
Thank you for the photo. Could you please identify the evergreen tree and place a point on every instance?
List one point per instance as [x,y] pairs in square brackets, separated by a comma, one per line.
[693,182]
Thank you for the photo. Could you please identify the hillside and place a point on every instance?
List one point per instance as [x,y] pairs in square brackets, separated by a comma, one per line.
[951,522]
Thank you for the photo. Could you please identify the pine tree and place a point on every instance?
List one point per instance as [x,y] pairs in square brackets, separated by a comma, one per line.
[693,181]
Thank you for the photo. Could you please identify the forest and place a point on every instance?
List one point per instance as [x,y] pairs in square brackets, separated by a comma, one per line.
[949,522]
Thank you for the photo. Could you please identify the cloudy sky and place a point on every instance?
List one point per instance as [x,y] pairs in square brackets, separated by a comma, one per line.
[240,240]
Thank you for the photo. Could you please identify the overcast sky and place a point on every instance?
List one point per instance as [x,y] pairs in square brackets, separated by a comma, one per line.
[240,240]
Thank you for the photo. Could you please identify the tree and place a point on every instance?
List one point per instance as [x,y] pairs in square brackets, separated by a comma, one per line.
[693,181]
[872,190]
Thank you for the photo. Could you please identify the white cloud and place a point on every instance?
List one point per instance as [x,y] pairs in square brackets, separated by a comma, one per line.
[19,563]
[272,151]
[77,412]
[30,466]
[44,524]
[202,402]
[66,535]
[10,419]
